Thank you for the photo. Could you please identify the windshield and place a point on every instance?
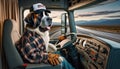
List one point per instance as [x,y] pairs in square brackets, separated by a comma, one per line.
[102,17]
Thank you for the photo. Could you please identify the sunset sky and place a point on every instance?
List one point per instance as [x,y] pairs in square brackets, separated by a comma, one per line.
[107,11]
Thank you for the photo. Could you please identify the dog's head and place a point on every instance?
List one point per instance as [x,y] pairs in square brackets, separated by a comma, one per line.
[46,22]
[39,17]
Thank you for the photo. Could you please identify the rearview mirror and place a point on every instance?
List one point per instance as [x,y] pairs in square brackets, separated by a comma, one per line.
[64,23]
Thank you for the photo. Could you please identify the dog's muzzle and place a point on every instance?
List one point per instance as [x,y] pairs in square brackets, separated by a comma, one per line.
[46,22]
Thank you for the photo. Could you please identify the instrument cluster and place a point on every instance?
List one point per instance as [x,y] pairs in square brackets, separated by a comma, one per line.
[94,53]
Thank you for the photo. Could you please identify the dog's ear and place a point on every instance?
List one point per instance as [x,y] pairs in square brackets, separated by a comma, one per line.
[28,18]
[31,18]
[35,17]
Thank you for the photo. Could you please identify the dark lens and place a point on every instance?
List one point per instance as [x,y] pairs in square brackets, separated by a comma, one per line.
[46,14]
[41,14]
[48,11]
[49,19]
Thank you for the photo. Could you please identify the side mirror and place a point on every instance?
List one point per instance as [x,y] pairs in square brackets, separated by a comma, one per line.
[64,23]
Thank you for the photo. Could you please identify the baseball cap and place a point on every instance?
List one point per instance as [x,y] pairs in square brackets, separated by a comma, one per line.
[38,7]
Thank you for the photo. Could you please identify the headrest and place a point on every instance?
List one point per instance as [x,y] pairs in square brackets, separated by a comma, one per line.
[15,32]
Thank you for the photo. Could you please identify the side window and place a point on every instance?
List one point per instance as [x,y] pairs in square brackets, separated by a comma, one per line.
[26,12]
[56,27]
[104,17]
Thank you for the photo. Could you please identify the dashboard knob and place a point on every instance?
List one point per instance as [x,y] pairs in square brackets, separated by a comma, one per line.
[104,50]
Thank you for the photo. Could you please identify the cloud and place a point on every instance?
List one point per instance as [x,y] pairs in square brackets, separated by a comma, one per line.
[97,13]
[107,12]
[113,16]
[54,17]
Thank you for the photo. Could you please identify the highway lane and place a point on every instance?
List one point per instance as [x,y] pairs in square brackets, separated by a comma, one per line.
[111,36]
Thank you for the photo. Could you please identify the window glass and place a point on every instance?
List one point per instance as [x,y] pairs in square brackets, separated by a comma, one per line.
[56,19]
[102,17]
[26,12]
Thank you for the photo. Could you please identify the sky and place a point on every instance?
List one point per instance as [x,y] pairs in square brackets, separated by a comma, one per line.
[107,11]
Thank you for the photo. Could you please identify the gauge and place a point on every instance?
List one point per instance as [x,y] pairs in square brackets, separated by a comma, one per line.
[84,42]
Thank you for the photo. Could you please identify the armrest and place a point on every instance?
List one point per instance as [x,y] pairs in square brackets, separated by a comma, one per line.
[43,66]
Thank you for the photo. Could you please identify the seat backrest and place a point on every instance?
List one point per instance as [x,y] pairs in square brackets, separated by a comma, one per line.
[10,36]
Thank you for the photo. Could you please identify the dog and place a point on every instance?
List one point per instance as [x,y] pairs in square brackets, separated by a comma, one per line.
[34,45]
[42,24]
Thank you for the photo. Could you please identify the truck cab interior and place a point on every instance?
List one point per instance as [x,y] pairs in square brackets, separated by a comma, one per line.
[92,51]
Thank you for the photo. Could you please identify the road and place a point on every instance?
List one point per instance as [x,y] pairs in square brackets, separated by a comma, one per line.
[111,36]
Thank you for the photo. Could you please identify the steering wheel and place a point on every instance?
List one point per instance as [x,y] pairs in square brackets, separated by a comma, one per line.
[65,41]
[68,49]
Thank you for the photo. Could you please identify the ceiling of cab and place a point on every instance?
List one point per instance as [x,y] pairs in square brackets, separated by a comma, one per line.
[74,4]
[61,4]
[50,4]
[80,4]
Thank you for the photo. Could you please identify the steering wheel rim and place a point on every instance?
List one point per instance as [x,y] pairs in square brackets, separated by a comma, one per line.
[73,39]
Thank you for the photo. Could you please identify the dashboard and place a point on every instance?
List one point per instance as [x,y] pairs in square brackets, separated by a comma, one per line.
[94,53]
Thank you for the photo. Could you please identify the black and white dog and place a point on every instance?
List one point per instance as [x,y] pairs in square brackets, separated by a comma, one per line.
[40,22]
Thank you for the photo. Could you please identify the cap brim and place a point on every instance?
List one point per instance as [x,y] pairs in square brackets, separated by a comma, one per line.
[41,10]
